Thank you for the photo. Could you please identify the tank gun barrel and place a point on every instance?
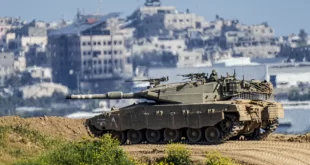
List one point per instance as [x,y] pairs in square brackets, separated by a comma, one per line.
[109,95]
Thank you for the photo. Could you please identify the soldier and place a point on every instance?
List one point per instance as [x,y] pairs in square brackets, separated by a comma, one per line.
[213,76]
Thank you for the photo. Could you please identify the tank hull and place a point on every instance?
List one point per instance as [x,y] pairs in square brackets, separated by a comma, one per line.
[209,123]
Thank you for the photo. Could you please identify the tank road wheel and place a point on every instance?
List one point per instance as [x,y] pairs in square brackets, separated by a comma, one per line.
[152,136]
[172,134]
[212,134]
[226,124]
[194,135]
[134,136]
[120,136]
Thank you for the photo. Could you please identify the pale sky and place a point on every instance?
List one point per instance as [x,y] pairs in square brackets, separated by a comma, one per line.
[285,16]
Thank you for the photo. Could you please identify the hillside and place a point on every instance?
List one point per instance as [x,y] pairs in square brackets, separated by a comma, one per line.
[27,138]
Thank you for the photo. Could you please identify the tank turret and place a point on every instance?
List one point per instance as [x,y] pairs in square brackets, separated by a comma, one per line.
[199,89]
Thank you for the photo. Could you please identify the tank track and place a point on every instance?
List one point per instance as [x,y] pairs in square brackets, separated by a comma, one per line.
[271,127]
[257,135]
[225,136]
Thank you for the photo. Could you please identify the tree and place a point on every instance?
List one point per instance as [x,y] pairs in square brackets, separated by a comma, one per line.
[303,37]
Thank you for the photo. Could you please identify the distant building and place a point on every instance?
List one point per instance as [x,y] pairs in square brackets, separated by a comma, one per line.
[154,20]
[256,41]
[93,48]
[8,23]
[6,67]
[289,74]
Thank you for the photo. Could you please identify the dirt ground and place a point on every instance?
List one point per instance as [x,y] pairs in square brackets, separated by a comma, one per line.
[277,149]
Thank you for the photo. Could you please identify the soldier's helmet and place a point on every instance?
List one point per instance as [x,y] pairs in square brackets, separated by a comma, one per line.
[214,72]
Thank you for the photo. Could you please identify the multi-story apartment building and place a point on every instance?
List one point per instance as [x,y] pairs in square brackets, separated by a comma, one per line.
[6,24]
[155,20]
[93,48]
[256,41]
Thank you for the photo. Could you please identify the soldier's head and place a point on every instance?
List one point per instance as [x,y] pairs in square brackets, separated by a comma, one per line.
[213,71]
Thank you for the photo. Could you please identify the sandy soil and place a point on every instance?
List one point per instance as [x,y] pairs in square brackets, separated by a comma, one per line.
[277,149]
[247,152]
[70,129]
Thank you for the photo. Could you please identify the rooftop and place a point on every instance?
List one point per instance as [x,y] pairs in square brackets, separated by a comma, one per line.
[83,23]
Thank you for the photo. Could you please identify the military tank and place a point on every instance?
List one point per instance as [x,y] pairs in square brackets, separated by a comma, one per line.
[203,110]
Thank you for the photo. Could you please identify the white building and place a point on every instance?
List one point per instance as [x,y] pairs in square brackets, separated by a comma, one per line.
[288,75]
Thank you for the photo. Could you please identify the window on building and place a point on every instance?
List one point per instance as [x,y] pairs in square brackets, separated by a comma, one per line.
[89,62]
[116,61]
[115,42]
[96,53]
[110,61]
[115,52]
[110,52]
[186,58]
[104,43]
[95,62]
[99,62]
[95,43]
[100,70]
[84,43]
[99,43]
[84,62]
[109,43]
[120,52]
[89,53]
[105,70]
[110,70]
[105,62]
[84,53]
[89,43]
[179,46]
[95,71]
[105,52]
[198,25]
[128,60]
[120,42]
[197,57]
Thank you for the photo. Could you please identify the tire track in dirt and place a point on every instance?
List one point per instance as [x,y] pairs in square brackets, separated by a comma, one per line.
[271,156]
[252,152]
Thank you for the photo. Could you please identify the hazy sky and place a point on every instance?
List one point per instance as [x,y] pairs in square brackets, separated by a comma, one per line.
[285,16]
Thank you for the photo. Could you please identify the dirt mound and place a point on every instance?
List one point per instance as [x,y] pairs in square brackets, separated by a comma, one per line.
[70,129]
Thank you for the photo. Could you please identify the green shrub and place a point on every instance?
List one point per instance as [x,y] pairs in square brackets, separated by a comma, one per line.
[105,151]
[215,158]
[177,154]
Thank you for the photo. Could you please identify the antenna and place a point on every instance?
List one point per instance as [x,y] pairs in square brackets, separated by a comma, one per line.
[62,16]
[99,6]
